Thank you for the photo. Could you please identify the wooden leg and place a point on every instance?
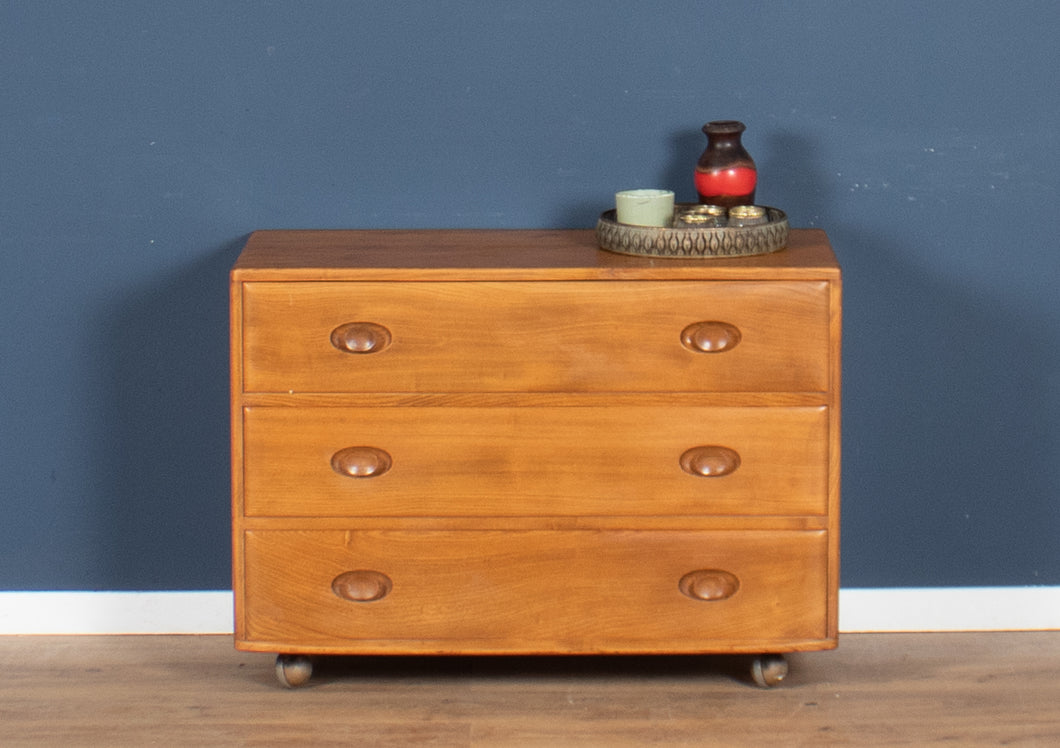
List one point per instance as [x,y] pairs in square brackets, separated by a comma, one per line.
[293,671]
[768,670]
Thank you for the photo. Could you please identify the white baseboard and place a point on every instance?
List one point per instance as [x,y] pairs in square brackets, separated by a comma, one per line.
[860,611]
[116,612]
[949,609]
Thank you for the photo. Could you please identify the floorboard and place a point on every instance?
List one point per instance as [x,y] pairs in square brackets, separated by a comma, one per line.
[876,689]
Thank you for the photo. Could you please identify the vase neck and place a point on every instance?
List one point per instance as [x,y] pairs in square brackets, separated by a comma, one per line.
[724,127]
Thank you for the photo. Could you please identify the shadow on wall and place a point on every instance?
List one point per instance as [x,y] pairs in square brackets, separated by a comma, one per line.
[676,174]
[950,435]
[950,422]
[164,450]
[790,165]
[685,148]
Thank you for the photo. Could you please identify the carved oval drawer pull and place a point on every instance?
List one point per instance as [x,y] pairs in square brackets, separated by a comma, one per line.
[710,461]
[362,585]
[360,337]
[710,337]
[709,585]
[361,462]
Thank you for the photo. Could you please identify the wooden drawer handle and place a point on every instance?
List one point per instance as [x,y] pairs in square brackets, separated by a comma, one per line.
[360,337]
[710,461]
[709,585]
[710,337]
[362,585]
[361,462]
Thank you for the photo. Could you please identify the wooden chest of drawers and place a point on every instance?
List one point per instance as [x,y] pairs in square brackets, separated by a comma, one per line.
[514,442]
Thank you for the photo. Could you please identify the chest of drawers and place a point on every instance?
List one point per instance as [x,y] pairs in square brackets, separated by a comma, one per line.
[512,442]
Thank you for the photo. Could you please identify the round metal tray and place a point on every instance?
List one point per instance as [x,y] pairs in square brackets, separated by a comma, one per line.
[693,241]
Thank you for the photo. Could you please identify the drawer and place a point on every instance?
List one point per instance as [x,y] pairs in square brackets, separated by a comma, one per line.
[534,591]
[557,461]
[556,336]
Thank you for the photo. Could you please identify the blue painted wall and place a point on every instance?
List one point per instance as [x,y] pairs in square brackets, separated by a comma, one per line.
[141,141]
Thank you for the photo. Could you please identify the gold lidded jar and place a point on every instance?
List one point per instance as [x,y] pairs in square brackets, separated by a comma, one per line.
[701,216]
[747,215]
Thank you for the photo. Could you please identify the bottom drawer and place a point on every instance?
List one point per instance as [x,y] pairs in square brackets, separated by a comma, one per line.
[533,591]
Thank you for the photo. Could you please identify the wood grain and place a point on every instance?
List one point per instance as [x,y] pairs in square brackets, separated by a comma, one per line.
[620,336]
[512,441]
[488,254]
[535,461]
[982,689]
[535,591]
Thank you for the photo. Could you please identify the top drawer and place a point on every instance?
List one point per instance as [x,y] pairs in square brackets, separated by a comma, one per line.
[549,336]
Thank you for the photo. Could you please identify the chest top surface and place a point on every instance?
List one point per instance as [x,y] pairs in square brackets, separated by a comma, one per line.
[490,254]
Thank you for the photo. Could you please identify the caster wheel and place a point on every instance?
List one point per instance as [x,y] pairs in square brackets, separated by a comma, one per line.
[768,670]
[293,671]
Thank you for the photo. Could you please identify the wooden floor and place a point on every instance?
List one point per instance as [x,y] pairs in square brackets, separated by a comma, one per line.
[880,689]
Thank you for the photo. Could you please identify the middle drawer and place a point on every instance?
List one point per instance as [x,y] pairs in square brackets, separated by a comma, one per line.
[553,461]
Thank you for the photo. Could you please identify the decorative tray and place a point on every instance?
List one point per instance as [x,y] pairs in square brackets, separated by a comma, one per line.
[694,241]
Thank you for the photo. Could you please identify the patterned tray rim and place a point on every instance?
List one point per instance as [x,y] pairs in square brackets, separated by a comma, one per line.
[693,242]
